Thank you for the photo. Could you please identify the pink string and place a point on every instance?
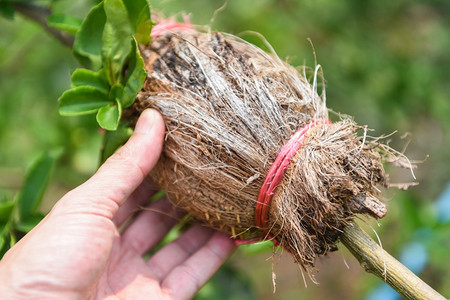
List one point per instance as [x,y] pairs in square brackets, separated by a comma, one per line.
[167,24]
[273,179]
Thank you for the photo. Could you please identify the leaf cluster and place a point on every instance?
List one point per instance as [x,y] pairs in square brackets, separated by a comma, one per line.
[106,45]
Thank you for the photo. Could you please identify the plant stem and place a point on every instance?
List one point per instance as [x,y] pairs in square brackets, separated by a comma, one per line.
[39,15]
[377,261]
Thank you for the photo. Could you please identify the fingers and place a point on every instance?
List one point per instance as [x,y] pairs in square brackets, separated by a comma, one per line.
[124,171]
[150,227]
[176,252]
[185,280]
[136,201]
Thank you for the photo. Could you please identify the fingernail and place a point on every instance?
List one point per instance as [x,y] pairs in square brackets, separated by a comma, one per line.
[145,122]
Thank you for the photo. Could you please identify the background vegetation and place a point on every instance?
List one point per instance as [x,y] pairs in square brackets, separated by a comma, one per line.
[385,62]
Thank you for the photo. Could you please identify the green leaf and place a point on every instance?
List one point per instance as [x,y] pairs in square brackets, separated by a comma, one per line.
[6,209]
[113,140]
[116,39]
[108,117]
[116,92]
[36,180]
[143,31]
[29,223]
[158,195]
[82,100]
[135,78]
[7,11]
[263,246]
[84,77]
[88,40]
[2,244]
[5,241]
[12,240]
[3,196]
[140,18]
[64,22]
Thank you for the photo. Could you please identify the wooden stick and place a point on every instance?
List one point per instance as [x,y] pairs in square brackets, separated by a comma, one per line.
[377,261]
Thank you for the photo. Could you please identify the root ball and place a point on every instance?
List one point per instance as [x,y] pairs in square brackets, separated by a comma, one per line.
[229,107]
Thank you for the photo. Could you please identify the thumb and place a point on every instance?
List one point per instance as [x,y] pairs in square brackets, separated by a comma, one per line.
[124,171]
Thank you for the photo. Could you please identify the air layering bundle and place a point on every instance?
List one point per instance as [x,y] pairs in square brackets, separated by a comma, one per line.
[249,149]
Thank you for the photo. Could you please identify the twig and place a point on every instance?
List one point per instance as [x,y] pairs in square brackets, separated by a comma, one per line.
[39,15]
[377,261]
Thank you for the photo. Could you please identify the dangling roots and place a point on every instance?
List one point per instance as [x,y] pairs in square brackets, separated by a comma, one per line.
[229,107]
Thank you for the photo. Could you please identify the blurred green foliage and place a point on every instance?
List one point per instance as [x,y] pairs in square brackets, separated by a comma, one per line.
[385,62]
[20,214]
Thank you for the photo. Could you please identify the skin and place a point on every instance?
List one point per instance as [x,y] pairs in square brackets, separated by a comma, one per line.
[78,251]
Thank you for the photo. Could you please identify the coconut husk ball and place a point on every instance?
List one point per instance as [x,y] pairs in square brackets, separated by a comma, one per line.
[249,148]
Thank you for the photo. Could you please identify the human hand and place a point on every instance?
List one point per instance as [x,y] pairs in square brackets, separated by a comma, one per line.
[78,252]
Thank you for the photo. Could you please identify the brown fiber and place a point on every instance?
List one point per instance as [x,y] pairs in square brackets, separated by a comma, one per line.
[229,107]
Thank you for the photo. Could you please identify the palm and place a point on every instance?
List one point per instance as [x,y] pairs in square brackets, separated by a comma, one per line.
[176,271]
[103,263]
[126,274]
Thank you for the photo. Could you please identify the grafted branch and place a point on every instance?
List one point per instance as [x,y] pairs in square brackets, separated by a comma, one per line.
[377,261]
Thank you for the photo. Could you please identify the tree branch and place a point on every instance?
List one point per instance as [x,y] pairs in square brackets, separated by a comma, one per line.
[377,261]
[39,15]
